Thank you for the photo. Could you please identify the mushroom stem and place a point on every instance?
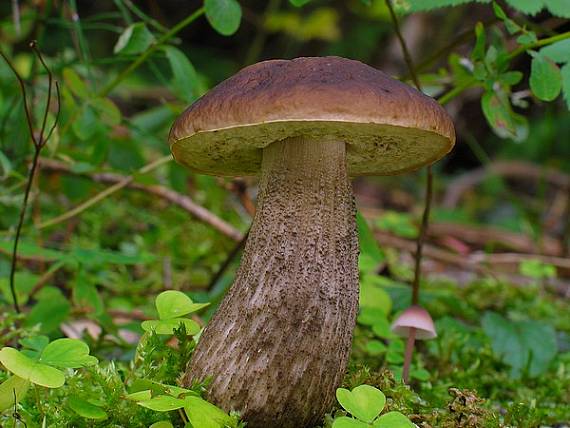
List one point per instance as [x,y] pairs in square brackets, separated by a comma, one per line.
[278,345]
[408,353]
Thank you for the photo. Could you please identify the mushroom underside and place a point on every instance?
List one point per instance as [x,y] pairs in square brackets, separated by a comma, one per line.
[371,148]
[278,345]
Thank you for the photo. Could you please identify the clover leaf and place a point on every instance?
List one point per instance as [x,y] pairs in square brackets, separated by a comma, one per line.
[392,420]
[364,402]
[171,305]
[67,353]
[87,409]
[40,368]
[28,369]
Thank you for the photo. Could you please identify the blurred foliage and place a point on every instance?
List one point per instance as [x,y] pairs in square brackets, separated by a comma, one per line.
[127,69]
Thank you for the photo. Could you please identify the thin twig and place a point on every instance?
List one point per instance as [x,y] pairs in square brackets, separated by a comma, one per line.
[105,193]
[39,143]
[429,179]
[404,46]
[162,192]
[427,207]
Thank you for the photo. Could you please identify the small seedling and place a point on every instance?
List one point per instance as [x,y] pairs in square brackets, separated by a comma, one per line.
[171,306]
[365,403]
[40,363]
[166,398]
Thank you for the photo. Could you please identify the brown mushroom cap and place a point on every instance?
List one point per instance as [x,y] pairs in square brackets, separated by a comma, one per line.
[388,126]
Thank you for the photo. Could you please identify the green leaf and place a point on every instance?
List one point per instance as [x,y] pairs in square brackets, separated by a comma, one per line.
[497,111]
[565,72]
[420,374]
[370,316]
[28,369]
[173,304]
[511,77]
[530,7]
[140,395]
[205,415]
[168,326]
[375,347]
[372,296]
[395,354]
[162,403]
[299,3]
[364,402]
[108,110]
[30,249]
[86,409]
[75,83]
[36,343]
[185,79]
[423,5]
[524,345]
[527,38]
[346,422]
[393,420]
[478,52]
[50,311]
[135,39]
[67,353]
[558,7]
[370,254]
[381,328]
[534,268]
[162,424]
[545,78]
[400,224]
[85,294]
[223,15]
[5,166]
[14,385]
[557,52]
[87,124]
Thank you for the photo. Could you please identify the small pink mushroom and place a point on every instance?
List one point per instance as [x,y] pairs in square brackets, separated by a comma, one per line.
[414,323]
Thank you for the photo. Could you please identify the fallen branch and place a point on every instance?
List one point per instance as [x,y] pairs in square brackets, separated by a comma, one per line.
[519,170]
[482,236]
[169,195]
[496,264]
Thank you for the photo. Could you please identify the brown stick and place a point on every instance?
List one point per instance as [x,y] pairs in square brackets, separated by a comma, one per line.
[169,195]
[521,170]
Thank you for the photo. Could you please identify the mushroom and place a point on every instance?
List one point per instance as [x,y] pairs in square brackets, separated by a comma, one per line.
[414,323]
[279,343]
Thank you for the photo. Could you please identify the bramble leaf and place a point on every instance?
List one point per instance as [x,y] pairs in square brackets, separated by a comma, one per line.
[135,39]
[223,15]
[545,78]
